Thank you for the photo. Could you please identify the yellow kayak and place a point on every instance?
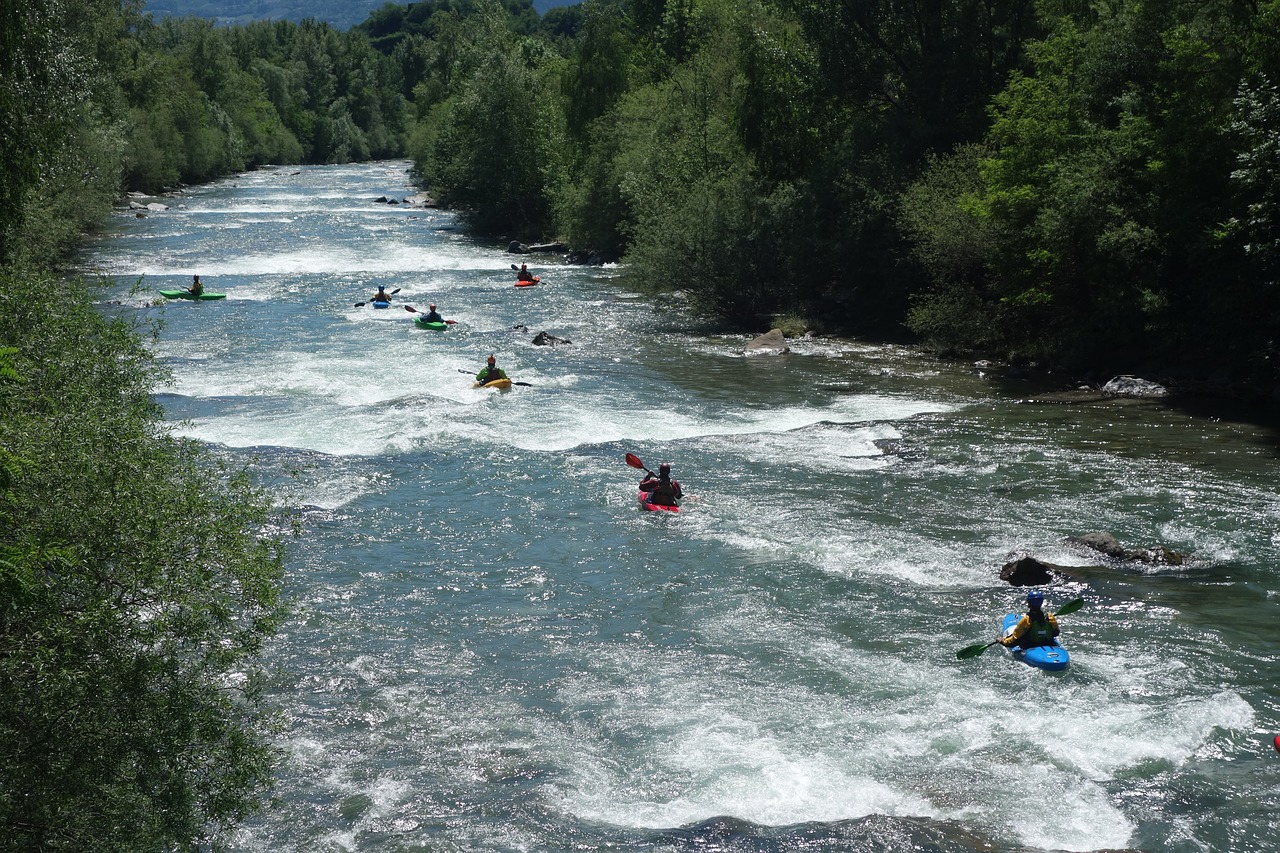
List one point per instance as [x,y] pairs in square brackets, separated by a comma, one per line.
[502,384]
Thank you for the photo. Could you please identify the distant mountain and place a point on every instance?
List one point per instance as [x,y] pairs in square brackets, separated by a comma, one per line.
[342,14]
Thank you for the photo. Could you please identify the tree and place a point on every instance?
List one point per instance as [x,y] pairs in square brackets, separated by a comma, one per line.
[137,584]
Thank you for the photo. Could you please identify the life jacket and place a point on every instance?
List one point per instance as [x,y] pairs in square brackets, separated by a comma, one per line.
[664,493]
[1039,631]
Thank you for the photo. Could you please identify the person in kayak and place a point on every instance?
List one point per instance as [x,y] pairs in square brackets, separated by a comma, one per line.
[381,295]
[524,274]
[432,316]
[662,490]
[196,288]
[1035,628]
[491,371]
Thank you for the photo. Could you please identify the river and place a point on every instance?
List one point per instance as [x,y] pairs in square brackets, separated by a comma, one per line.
[493,648]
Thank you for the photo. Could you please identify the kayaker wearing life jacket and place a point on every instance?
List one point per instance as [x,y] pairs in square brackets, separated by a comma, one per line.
[524,274]
[432,316]
[663,490]
[1035,628]
[491,372]
[381,295]
[196,287]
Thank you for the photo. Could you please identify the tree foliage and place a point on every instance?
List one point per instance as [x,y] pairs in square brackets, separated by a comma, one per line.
[137,583]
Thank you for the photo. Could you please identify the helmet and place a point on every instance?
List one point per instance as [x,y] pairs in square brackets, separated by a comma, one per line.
[491,360]
[665,469]
[1035,597]
[432,306]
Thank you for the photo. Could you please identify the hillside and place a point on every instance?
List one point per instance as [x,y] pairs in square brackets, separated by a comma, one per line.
[342,14]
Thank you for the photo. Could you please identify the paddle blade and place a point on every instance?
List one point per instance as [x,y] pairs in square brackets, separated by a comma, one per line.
[451,322]
[358,304]
[634,462]
[1070,607]
[411,309]
[974,650]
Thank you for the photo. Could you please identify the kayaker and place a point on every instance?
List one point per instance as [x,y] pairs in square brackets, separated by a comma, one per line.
[662,490]
[196,288]
[432,316]
[491,371]
[524,274]
[1035,628]
[381,295]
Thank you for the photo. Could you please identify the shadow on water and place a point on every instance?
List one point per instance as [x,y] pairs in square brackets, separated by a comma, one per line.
[878,833]
[1239,405]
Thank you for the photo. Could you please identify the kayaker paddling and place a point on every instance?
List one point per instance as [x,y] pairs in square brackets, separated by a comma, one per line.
[1035,628]
[662,490]
[1049,655]
[491,372]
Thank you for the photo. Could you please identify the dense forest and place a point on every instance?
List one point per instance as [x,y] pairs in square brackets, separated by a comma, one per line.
[1087,186]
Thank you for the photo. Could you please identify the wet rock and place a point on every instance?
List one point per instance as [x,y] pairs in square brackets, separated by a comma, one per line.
[1105,543]
[542,339]
[1026,570]
[1132,386]
[772,342]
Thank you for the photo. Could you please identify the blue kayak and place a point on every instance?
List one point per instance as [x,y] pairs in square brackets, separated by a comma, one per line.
[380,304]
[1052,658]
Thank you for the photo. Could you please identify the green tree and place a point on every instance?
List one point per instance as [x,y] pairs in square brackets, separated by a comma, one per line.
[492,147]
[137,584]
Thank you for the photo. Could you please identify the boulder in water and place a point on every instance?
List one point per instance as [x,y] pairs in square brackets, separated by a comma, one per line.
[772,342]
[1105,543]
[1132,386]
[1026,570]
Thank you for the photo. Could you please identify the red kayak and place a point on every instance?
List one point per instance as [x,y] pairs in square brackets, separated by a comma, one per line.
[649,505]
[530,283]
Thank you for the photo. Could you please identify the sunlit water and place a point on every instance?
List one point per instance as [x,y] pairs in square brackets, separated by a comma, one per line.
[494,649]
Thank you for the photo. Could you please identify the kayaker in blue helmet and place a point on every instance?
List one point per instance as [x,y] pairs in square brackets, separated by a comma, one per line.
[432,316]
[196,287]
[491,371]
[1035,628]
[662,490]
[381,295]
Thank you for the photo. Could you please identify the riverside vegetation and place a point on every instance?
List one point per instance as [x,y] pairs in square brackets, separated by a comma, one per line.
[1090,186]
[1080,185]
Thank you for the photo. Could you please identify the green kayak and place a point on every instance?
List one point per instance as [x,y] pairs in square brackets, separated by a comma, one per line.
[437,325]
[183,294]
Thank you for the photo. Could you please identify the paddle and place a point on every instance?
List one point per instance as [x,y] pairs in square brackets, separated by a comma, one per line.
[513,382]
[978,648]
[634,462]
[392,293]
[413,310]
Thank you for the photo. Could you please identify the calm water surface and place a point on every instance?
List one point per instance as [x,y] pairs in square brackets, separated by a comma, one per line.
[494,649]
